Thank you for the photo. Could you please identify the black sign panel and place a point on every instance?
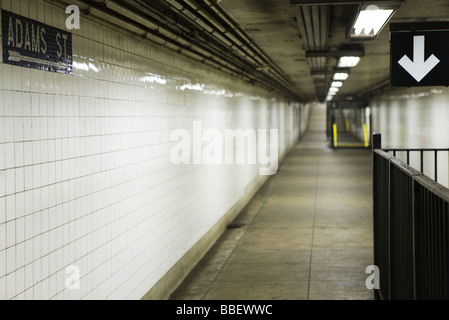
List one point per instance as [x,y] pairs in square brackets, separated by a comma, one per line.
[419,55]
[29,43]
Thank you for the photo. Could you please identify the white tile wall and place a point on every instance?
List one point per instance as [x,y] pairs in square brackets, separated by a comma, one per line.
[85,174]
[415,118]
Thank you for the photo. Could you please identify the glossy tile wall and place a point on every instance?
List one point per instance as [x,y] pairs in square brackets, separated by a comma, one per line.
[87,187]
[415,118]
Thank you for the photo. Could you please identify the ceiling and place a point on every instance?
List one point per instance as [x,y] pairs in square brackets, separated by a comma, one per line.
[277,27]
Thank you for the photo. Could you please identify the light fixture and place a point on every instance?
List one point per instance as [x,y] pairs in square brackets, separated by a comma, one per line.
[337,84]
[333,89]
[340,76]
[348,62]
[370,18]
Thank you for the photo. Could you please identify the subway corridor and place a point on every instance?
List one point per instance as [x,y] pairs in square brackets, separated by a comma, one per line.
[306,234]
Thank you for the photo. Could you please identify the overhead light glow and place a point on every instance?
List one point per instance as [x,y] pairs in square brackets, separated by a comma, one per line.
[337,84]
[333,89]
[341,76]
[348,62]
[370,21]
[194,87]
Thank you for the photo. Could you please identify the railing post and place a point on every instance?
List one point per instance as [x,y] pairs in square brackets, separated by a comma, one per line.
[377,141]
[376,144]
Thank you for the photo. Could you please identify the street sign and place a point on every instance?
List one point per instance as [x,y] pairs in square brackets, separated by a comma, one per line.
[32,44]
[419,55]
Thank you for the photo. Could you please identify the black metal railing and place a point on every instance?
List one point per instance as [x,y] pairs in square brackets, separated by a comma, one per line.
[411,230]
[421,153]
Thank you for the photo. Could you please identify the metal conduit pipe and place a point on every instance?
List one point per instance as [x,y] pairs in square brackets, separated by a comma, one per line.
[186,12]
[224,66]
[197,48]
[223,29]
[167,33]
[254,47]
[182,9]
[262,57]
[159,28]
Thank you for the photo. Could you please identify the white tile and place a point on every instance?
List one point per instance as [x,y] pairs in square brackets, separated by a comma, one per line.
[10,285]
[3,295]
[43,129]
[45,243]
[10,233]
[27,129]
[37,223]
[9,129]
[10,259]
[18,97]
[20,180]
[35,129]
[27,153]
[2,126]
[29,201]
[20,204]
[29,294]
[8,97]
[45,266]
[10,207]
[29,227]
[10,155]
[28,254]
[2,263]
[20,257]
[18,129]
[20,230]
[43,147]
[37,291]
[10,181]
[2,210]
[2,236]
[36,152]
[2,183]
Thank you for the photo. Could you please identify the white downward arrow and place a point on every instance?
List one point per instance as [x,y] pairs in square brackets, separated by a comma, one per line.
[418,68]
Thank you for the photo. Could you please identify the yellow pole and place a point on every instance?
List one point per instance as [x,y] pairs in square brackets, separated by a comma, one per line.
[335,135]
[347,125]
[365,134]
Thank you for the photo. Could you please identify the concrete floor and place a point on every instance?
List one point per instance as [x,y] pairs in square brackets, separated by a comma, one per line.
[306,234]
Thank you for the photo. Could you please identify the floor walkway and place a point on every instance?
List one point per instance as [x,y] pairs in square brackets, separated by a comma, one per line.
[306,234]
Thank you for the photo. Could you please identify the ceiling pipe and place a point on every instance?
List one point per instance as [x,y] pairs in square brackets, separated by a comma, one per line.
[204,26]
[169,39]
[164,31]
[254,50]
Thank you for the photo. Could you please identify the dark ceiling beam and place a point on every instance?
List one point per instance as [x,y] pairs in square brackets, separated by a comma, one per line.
[336,54]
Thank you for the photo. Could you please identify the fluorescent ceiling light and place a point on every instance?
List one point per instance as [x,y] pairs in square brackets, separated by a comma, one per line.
[333,89]
[341,76]
[337,84]
[348,62]
[369,21]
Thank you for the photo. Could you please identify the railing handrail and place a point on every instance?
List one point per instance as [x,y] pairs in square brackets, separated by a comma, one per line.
[432,185]
[377,144]
[414,149]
